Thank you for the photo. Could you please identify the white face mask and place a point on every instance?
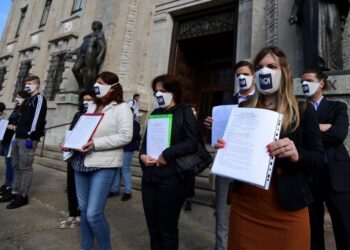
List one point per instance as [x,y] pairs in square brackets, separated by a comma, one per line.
[244,82]
[86,105]
[30,88]
[19,101]
[310,88]
[268,81]
[164,99]
[101,89]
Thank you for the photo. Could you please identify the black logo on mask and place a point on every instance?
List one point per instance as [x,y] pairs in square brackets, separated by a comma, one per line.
[306,88]
[97,90]
[160,100]
[242,82]
[265,81]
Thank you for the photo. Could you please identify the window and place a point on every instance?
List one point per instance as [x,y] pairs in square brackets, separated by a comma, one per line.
[23,73]
[54,76]
[77,6]
[46,12]
[2,76]
[21,20]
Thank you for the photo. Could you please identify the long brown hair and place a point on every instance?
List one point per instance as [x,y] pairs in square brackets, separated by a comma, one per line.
[286,101]
[116,92]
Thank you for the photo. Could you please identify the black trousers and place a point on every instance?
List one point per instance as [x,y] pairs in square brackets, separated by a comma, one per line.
[338,205]
[71,193]
[162,201]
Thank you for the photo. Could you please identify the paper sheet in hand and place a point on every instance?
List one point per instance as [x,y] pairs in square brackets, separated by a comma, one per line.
[3,126]
[69,154]
[221,114]
[83,131]
[245,156]
[158,134]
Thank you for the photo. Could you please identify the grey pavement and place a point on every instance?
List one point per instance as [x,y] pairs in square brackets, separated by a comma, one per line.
[35,226]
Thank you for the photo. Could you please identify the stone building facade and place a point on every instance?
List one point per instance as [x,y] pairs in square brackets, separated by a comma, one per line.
[198,40]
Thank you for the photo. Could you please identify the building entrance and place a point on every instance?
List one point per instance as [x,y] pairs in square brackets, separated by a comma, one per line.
[202,55]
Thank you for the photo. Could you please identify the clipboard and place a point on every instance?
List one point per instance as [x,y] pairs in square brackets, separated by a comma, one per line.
[83,131]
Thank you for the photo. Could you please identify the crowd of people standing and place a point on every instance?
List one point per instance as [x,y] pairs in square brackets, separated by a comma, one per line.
[312,164]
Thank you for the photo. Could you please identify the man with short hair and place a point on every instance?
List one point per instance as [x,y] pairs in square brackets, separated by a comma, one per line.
[244,77]
[30,128]
[134,105]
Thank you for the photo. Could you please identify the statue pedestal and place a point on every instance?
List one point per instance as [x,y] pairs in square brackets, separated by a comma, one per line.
[63,113]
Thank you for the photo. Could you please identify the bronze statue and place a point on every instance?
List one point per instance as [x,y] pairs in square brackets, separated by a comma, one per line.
[322,24]
[90,56]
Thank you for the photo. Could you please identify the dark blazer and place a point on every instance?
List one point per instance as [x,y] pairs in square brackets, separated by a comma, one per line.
[292,177]
[337,157]
[184,141]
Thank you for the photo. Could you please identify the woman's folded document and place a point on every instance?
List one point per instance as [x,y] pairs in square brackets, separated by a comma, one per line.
[245,156]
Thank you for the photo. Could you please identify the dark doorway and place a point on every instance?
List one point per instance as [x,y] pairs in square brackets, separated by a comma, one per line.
[203,53]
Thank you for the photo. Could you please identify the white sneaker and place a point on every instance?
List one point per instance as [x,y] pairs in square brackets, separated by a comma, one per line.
[70,222]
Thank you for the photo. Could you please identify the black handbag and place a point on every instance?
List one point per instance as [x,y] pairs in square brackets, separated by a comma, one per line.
[194,163]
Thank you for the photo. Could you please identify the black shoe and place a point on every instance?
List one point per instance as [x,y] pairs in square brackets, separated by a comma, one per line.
[3,188]
[6,197]
[188,207]
[113,194]
[126,197]
[19,201]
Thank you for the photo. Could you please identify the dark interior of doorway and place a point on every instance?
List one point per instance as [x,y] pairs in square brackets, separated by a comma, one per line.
[204,65]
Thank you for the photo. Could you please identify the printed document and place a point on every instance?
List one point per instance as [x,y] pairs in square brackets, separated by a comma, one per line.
[221,114]
[83,131]
[69,154]
[158,134]
[245,156]
[3,126]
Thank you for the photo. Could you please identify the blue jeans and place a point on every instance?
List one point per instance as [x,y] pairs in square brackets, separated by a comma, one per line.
[92,190]
[8,163]
[125,172]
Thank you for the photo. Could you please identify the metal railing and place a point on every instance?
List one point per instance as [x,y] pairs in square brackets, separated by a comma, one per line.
[46,129]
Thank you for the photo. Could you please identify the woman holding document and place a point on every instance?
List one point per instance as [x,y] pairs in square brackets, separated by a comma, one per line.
[96,163]
[278,218]
[163,190]
[6,188]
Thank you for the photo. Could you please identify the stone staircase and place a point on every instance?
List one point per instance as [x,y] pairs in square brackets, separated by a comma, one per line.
[204,187]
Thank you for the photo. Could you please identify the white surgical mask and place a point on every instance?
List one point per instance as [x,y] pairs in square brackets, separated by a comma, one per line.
[310,88]
[244,82]
[101,89]
[19,101]
[164,99]
[268,81]
[30,88]
[86,105]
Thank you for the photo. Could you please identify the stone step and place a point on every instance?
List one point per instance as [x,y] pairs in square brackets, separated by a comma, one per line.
[203,189]
[51,163]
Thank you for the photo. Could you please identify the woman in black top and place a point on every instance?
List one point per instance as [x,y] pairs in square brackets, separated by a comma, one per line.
[6,143]
[163,190]
[73,219]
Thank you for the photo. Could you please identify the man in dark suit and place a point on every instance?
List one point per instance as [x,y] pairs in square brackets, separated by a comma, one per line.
[244,72]
[332,184]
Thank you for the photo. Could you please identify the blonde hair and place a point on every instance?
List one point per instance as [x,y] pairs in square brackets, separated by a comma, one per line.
[286,101]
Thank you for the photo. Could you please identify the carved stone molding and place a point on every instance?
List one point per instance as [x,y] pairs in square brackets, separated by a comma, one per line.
[208,24]
[272,22]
